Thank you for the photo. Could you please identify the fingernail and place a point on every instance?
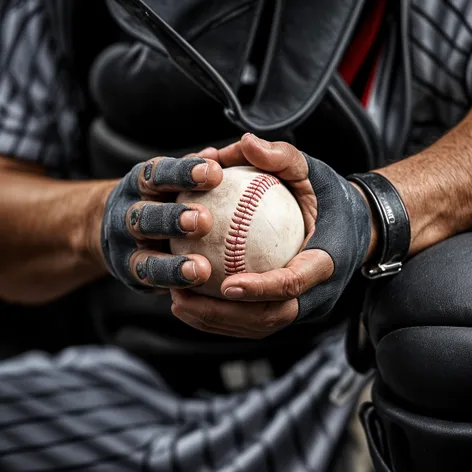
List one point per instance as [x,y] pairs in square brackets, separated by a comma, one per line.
[262,142]
[235,293]
[200,173]
[189,271]
[134,217]
[141,270]
[148,172]
[189,221]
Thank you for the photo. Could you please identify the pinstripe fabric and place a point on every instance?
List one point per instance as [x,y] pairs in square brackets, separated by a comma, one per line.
[38,101]
[98,409]
[441,46]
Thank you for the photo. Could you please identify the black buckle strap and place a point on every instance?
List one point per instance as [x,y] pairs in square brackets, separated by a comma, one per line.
[394,224]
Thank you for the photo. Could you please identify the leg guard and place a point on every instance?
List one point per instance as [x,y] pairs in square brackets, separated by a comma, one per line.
[420,324]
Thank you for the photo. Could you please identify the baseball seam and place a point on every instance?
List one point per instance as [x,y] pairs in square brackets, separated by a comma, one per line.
[235,242]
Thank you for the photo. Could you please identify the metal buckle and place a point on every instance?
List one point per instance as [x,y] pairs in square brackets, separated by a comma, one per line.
[382,270]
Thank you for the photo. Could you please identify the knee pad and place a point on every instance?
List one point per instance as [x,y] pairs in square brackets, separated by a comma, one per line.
[403,440]
[420,323]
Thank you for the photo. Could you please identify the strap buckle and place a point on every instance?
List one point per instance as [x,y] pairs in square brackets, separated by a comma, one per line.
[382,270]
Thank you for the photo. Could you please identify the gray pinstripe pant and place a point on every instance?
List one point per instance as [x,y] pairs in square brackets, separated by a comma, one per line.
[99,409]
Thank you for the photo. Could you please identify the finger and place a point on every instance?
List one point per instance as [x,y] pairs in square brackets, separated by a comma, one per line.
[207,153]
[231,155]
[261,318]
[151,220]
[167,174]
[154,269]
[280,158]
[307,269]
[197,324]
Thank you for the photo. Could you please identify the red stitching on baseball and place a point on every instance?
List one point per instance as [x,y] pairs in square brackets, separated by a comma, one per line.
[235,242]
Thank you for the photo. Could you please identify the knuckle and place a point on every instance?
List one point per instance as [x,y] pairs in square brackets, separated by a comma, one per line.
[259,288]
[178,309]
[287,148]
[208,317]
[293,285]
[149,174]
[198,207]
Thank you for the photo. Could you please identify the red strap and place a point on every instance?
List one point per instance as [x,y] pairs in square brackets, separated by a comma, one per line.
[364,39]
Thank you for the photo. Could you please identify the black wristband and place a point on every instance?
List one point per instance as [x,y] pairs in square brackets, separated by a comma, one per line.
[394,224]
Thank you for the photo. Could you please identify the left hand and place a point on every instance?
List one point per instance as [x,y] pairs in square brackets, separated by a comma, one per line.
[313,281]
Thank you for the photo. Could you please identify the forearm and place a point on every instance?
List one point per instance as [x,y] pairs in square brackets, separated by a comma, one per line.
[436,187]
[49,233]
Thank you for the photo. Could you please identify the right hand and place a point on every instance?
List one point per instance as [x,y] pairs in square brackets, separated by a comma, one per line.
[141,216]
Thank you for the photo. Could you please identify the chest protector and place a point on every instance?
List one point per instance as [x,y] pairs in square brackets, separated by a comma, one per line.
[181,75]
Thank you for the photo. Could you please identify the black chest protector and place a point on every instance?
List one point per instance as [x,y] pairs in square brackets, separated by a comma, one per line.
[182,75]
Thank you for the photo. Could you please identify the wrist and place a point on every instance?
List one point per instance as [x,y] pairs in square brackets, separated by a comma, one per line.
[393,228]
[430,216]
[374,227]
[87,240]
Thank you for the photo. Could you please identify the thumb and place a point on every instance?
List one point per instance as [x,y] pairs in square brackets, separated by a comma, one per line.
[308,269]
[279,158]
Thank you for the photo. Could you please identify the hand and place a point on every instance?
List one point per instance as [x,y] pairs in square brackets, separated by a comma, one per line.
[314,280]
[140,216]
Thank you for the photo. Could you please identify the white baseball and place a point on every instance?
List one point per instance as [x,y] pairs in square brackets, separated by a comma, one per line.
[257,226]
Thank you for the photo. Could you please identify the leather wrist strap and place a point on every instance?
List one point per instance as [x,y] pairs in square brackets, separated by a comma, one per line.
[394,223]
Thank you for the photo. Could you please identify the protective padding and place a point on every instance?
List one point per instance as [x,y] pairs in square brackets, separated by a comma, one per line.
[409,442]
[430,367]
[420,323]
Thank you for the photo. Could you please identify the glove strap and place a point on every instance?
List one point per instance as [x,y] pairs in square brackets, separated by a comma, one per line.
[394,224]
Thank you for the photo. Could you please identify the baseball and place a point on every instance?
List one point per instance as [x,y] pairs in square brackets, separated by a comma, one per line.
[257,226]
